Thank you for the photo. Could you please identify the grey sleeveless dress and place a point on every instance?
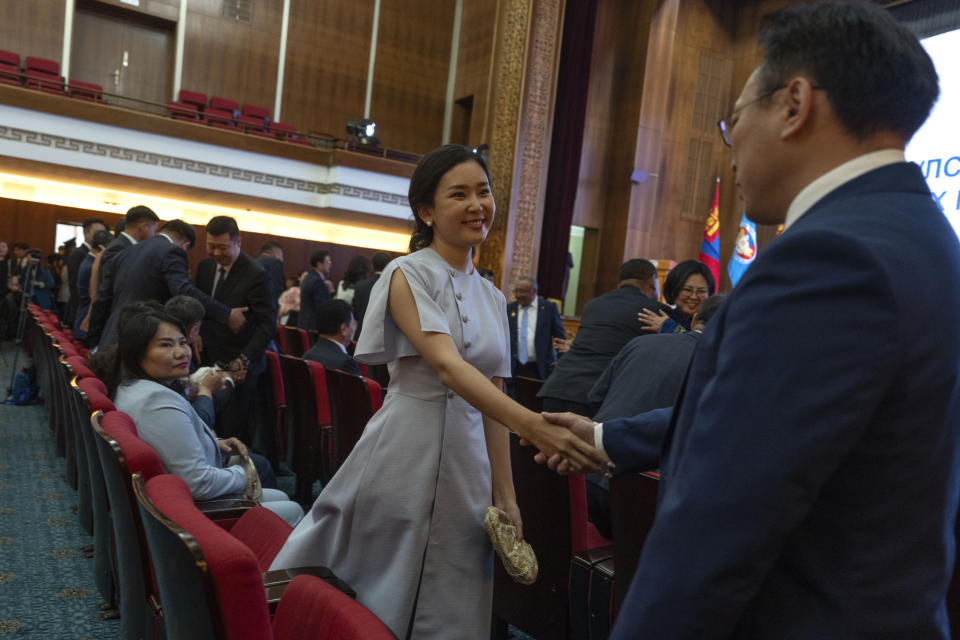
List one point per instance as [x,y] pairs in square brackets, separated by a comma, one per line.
[402,520]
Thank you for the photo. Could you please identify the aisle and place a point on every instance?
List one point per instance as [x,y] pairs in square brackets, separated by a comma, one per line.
[47,590]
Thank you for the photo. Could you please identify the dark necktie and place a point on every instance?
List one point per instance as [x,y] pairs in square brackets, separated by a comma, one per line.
[221,276]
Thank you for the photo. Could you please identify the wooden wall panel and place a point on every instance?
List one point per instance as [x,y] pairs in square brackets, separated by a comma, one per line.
[35,223]
[232,59]
[328,49]
[410,80]
[33,28]
[478,23]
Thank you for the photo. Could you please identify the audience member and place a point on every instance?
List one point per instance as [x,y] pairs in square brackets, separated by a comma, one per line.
[153,355]
[271,259]
[4,269]
[686,286]
[647,374]
[74,260]
[62,283]
[487,274]
[361,293]
[335,324]
[101,238]
[290,303]
[42,287]
[313,289]
[357,269]
[157,269]
[534,323]
[808,486]
[140,223]
[608,322]
[237,281]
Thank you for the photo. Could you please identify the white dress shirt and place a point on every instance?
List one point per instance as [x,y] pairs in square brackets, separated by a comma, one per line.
[530,338]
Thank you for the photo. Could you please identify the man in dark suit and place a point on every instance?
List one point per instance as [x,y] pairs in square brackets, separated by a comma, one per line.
[336,325]
[75,259]
[271,259]
[608,322]
[313,289]
[140,223]
[361,290]
[534,323]
[156,269]
[809,474]
[233,278]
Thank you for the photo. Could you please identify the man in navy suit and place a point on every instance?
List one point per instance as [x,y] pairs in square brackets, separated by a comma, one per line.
[532,355]
[809,472]
[156,269]
[336,326]
[313,289]
[271,259]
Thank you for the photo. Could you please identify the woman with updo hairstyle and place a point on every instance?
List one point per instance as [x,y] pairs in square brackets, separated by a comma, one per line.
[402,519]
[685,287]
[152,356]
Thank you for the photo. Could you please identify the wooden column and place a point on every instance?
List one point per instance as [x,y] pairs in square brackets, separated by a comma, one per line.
[526,58]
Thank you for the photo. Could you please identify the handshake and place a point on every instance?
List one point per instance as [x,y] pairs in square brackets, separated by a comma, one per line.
[570,449]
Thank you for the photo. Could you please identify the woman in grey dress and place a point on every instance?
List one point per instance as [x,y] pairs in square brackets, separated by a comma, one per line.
[402,520]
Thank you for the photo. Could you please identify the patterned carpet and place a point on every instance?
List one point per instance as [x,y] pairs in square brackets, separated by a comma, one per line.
[47,590]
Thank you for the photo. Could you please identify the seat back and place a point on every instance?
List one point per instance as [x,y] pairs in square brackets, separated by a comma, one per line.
[253,111]
[295,340]
[527,389]
[210,583]
[310,603]
[351,406]
[308,419]
[223,103]
[279,397]
[42,65]
[85,91]
[9,57]
[195,98]
[122,454]
[633,504]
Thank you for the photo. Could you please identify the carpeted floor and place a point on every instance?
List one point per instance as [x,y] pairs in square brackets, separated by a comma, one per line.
[47,590]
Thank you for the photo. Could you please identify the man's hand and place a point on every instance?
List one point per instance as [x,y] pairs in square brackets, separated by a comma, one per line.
[566,444]
[650,321]
[232,447]
[237,319]
[580,426]
[237,371]
[212,382]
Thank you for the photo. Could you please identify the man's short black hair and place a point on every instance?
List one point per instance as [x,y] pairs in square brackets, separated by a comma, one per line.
[380,260]
[331,314]
[637,269]
[317,257]
[141,213]
[182,229]
[120,226]
[220,225]
[874,71]
[89,222]
[189,311]
[23,246]
[101,239]
[709,307]
[269,246]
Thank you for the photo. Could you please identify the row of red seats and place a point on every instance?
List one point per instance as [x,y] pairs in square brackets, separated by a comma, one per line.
[44,75]
[227,114]
[211,581]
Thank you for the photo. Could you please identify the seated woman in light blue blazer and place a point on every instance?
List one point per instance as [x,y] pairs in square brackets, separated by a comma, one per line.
[152,355]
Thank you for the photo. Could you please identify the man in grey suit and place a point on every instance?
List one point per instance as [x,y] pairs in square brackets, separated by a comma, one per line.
[608,322]
[313,289]
[336,325]
[156,269]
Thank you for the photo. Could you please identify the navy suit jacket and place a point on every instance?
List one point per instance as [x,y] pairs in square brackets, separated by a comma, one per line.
[103,305]
[549,326]
[274,268]
[332,357]
[810,474]
[607,324]
[246,286]
[361,298]
[313,291]
[155,269]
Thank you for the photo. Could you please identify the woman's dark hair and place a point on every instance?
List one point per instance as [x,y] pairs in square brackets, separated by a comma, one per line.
[423,185]
[678,277]
[357,269]
[101,239]
[134,336]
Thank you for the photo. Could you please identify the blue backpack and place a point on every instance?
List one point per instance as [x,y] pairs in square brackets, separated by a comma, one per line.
[23,390]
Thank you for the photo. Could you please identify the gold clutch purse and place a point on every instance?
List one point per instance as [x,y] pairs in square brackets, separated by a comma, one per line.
[253,489]
[518,558]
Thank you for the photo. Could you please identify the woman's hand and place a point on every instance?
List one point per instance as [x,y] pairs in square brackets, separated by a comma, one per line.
[233,447]
[211,383]
[650,321]
[513,512]
[552,440]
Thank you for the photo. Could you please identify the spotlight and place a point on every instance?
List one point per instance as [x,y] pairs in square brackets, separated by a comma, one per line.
[363,131]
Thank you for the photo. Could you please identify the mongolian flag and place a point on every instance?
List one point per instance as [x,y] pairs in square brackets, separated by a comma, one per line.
[744,251]
[710,247]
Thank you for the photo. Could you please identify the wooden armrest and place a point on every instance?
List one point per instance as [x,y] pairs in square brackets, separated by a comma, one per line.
[224,508]
[276,581]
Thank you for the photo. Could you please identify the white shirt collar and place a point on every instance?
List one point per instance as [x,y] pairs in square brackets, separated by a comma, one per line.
[87,245]
[816,190]
[167,237]
[129,237]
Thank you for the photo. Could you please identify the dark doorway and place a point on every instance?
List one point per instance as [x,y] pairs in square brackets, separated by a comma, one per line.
[129,54]
[460,120]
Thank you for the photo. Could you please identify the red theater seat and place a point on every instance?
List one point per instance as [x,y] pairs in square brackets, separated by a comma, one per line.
[85,91]
[44,75]
[10,72]
[197,99]
[183,111]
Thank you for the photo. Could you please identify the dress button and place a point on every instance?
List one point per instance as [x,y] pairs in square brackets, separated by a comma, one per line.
[467,344]
[450,393]
[459,296]
[466,319]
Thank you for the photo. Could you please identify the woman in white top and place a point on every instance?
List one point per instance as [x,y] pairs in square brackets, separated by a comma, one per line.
[358,269]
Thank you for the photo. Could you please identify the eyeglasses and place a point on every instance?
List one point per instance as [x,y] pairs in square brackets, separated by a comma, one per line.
[724,123]
[690,291]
